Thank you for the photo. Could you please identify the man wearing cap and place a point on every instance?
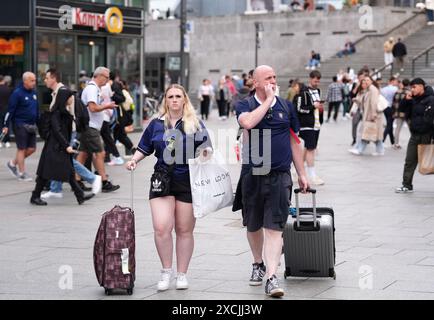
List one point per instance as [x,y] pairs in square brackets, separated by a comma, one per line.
[420,114]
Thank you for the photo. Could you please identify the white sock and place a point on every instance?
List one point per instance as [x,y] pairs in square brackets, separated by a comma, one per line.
[311,171]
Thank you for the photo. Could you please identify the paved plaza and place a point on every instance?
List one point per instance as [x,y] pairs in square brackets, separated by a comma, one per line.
[384,241]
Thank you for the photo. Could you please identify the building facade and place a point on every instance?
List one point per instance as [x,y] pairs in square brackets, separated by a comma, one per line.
[74,37]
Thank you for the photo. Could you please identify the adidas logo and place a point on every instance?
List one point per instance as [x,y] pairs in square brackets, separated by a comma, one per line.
[156,186]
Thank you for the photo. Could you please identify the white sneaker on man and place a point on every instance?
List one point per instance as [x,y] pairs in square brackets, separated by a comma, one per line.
[7,144]
[97,185]
[317,181]
[181,281]
[166,278]
[49,194]
[117,161]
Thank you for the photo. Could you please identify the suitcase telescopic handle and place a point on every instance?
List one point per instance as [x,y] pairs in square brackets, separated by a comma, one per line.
[297,205]
[132,190]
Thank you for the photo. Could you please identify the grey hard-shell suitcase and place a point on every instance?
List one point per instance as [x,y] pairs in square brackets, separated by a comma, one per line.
[309,241]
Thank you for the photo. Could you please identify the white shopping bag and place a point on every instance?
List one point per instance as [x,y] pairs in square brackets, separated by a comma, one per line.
[211,186]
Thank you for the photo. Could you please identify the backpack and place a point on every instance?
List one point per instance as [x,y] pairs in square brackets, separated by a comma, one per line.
[44,125]
[81,114]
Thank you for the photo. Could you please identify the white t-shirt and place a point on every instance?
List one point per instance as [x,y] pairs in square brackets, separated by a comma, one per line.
[92,93]
[314,93]
[106,94]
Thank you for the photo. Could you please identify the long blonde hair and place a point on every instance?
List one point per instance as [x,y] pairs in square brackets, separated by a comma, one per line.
[189,118]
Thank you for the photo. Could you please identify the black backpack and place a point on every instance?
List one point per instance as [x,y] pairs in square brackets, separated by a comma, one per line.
[44,124]
[81,114]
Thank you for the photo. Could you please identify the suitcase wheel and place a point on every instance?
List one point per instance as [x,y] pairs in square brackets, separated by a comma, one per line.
[108,292]
[130,291]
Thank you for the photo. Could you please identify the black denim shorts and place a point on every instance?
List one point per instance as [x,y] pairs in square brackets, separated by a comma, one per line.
[180,189]
[257,203]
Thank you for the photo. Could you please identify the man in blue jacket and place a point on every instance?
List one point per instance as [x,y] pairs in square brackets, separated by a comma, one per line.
[23,113]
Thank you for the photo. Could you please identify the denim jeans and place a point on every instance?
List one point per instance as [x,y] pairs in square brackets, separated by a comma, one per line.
[379,146]
[86,175]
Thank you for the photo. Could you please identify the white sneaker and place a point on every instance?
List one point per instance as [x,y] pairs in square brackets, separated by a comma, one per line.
[181,281]
[116,162]
[354,151]
[24,177]
[166,277]
[317,181]
[49,194]
[1,145]
[8,144]
[97,184]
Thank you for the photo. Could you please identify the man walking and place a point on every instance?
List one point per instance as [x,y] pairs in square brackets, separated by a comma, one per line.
[265,187]
[91,138]
[334,98]
[23,113]
[420,113]
[309,106]
[399,52]
[56,156]
[389,93]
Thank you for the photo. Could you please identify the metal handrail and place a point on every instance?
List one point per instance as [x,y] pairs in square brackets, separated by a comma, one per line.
[383,68]
[416,57]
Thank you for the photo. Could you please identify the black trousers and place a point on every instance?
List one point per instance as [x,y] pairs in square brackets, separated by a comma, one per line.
[120,135]
[222,104]
[334,106]
[411,159]
[204,107]
[109,143]
[388,112]
[41,182]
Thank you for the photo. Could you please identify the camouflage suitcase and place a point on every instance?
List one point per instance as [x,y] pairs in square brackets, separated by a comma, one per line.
[114,250]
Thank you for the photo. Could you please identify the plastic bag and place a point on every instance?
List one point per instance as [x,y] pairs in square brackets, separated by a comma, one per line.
[211,185]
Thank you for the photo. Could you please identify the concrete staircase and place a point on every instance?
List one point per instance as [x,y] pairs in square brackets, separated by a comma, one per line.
[374,58]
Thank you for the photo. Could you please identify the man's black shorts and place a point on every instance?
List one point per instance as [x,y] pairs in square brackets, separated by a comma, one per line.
[257,204]
[310,138]
[91,141]
[180,189]
[23,138]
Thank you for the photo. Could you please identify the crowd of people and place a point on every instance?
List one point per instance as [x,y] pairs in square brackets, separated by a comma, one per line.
[81,129]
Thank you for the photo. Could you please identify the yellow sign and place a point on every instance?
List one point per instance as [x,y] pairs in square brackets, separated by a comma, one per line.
[14,46]
[114,20]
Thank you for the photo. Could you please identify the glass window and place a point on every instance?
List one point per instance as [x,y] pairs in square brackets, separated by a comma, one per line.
[55,51]
[124,58]
[124,61]
[137,3]
[118,2]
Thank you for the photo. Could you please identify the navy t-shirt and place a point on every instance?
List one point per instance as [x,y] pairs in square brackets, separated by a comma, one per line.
[278,124]
[173,145]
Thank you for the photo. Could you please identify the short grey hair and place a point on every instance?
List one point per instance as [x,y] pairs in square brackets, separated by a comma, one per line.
[28,74]
[100,70]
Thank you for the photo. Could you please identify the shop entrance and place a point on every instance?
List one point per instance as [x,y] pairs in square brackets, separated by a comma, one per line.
[91,54]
